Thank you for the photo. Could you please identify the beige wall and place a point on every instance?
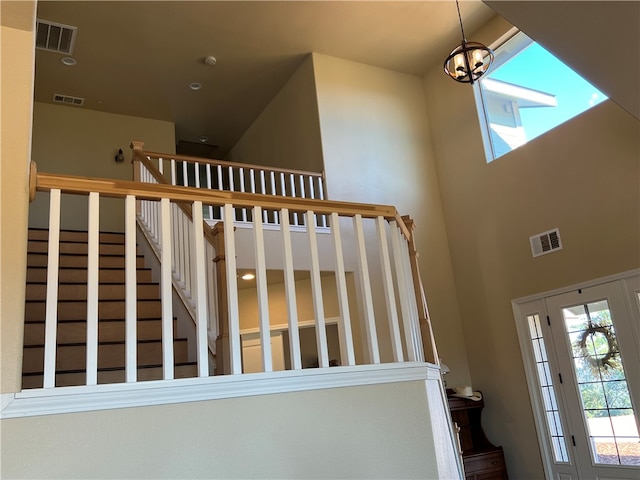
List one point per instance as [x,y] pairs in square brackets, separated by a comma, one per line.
[286,134]
[17,47]
[581,177]
[377,149]
[381,431]
[76,141]
[249,314]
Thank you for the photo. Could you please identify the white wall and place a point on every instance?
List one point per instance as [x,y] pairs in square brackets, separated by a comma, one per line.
[581,177]
[17,51]
[76,141]
[377,149]
[368,432]
[286,134]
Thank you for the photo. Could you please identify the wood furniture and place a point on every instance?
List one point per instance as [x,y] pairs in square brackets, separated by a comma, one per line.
[482,460]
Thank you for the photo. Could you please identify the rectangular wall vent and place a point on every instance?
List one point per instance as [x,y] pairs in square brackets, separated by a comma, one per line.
[55,37]
[545,242]
[68,100]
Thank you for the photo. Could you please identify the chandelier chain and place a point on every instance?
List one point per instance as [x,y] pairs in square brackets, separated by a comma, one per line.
[464,38]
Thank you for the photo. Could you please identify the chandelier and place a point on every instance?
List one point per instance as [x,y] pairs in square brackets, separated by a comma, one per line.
[469,60]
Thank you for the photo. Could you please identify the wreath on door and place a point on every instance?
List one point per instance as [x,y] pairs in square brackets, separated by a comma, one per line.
[605,357]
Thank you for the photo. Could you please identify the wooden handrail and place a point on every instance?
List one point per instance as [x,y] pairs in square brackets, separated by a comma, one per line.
[149,191]
[226,163]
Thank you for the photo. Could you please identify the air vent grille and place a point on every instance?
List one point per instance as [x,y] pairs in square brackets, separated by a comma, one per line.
[545,242]
[68,100]
[55,37]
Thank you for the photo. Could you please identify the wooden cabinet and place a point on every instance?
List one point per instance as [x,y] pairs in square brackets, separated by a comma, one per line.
[482,460]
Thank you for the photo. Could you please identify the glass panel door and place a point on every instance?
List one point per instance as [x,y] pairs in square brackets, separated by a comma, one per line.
[598,370]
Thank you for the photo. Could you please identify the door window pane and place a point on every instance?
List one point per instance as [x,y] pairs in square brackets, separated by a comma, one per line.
[598,366]
[545,380]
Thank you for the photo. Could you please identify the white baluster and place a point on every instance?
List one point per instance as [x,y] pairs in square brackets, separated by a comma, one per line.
[390,299]
[212,297]
[263,190]
[274,192]
[173,172]
[321,196]
[220,182]
[175,264]
[415,323]
[347,354]
[200,291]
[93,246]
[261,288]
[292,183]
[51,314]
[232,187]
[244,210]
[131,365]
[161,165]
[186,258]
[290,292]
[165,288]
[316,291]
[365,289]
[404,291]
[209,187]
[232,290]
[185,174]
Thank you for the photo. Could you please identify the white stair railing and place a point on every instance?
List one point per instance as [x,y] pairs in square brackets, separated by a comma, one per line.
[176,234]
[365,243]
[234,177]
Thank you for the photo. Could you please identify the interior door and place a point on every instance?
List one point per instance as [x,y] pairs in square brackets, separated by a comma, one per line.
[593,341]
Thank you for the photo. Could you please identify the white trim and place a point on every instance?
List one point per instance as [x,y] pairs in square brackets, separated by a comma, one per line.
[162,392]
[586,284]
[284,326]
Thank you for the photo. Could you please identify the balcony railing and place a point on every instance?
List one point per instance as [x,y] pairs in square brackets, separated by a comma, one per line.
[368,246]
[180,170]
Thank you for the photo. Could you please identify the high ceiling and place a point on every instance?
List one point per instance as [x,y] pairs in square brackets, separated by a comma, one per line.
[138,58]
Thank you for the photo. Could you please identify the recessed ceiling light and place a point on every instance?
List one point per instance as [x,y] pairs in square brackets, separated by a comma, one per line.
[69,61]
[248,276]
[203,138]
[195,86]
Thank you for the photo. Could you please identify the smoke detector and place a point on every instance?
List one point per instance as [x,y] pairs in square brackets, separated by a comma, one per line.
[210,60]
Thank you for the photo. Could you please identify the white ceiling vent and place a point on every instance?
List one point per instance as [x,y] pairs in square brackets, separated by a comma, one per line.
[55,37]
[68,100]
[545,242]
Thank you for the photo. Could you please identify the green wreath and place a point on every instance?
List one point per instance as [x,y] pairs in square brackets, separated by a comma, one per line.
[605,360]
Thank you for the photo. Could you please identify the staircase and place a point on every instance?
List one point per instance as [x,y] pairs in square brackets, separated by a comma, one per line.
[72,313]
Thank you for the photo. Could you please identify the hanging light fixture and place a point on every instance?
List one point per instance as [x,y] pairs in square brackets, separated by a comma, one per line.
[469,60]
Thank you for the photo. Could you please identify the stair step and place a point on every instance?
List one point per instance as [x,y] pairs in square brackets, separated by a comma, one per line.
[38,291]
[79,275]
[108,331]
[76,236]
[115,375]
[39,246]
[77,310]
[110,354]
[80,260]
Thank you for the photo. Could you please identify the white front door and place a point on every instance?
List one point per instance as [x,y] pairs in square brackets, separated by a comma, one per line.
[582,356]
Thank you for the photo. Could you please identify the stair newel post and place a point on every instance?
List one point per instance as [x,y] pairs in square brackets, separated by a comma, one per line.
[223,359]
[136,149]
[426,332]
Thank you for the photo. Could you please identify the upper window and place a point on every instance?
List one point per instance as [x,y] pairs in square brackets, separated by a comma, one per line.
[526,93]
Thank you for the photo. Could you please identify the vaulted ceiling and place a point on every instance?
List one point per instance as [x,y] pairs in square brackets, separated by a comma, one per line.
[139,57]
